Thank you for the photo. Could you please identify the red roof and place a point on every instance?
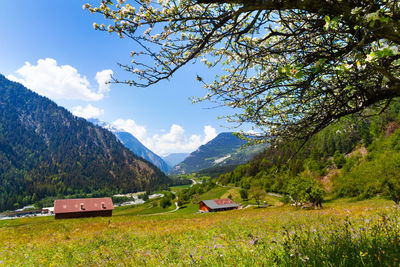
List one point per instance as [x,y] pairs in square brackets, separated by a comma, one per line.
[220,203]
[82,205]
[223,201]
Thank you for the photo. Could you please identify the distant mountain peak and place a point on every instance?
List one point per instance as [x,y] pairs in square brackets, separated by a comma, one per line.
[224,149]
[104,124]
[133,144]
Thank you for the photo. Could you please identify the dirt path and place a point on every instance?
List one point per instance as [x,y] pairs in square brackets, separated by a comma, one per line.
[274,194]
[160,213]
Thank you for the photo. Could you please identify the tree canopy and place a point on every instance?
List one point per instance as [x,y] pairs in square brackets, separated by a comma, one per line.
[288,67]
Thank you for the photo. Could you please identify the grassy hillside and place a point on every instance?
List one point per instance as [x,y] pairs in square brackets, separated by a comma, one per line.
[344,233]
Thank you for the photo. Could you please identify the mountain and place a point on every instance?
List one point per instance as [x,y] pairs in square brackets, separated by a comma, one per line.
[47,151]
[133,144]
[223,150]
[139,149]
[175,158]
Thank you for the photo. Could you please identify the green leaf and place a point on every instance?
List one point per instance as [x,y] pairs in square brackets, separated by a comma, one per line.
[299,75]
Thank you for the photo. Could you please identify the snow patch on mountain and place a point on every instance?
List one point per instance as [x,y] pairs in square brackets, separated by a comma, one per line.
[222,159]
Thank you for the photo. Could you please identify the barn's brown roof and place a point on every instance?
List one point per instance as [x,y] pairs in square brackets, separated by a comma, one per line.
[220,203]
[82,205]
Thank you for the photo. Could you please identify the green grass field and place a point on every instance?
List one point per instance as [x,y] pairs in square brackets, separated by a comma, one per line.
[343,233]
[179,188]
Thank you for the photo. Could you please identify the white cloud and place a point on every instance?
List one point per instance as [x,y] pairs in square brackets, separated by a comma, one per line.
[210,133]
[87,112]
[173,141]
[130,126]
[102,78]
[60,82]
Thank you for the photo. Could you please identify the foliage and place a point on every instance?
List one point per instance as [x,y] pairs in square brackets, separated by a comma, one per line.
[393,185]
[378,173]
[120,199]
[144,196]
[305,189]
[289,67]
[216,171]
[339,159]
[257,193]
[165,202]
[180,180]
[244,194]
[192,193]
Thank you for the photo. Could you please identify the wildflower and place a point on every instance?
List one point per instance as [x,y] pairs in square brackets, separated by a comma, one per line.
[369,58]
[304,258]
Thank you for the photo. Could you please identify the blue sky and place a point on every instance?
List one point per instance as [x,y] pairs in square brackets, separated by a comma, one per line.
[51,47]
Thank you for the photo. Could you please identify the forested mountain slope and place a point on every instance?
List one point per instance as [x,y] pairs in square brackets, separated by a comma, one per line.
[46,151]
[363,175]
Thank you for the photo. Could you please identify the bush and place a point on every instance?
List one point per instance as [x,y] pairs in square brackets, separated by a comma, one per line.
[304,188]
[144,196]
[165,202]
[120,199]
[339,159]
[244,194]
[258,194]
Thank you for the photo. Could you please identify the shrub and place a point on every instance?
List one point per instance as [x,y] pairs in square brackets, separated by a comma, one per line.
[339,159]
[165,202]
[304,188]
[244,194]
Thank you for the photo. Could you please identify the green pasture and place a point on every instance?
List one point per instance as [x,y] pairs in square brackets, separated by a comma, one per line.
[343,233]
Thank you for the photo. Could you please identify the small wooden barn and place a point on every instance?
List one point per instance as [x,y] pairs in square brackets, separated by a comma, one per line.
[217,205]
[83,207]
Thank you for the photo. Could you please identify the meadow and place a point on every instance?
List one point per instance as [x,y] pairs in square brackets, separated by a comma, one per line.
[343,233]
